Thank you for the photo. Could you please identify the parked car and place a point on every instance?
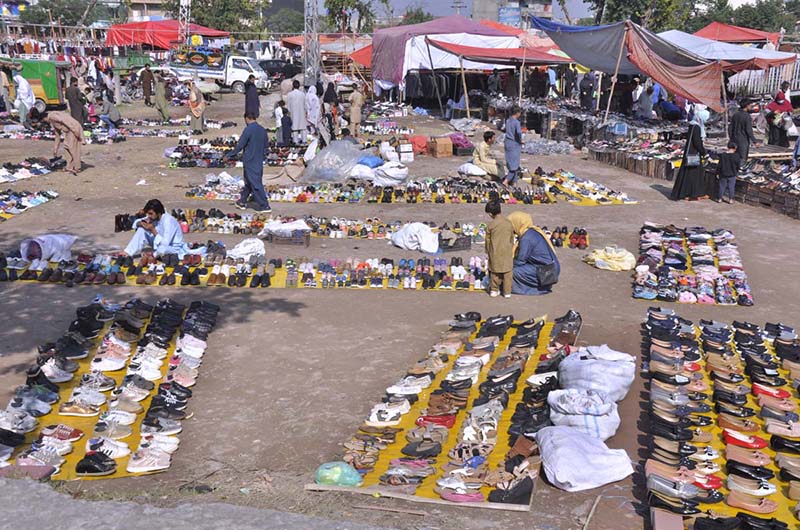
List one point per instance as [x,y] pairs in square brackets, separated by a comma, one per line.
[280,68]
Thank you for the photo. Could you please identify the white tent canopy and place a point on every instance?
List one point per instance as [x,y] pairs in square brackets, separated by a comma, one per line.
[723,51]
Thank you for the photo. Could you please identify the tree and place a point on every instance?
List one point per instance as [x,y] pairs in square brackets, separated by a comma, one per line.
[286,21]
[766,15]
[708,11]
[416,15]
[63,12]
[342,13]
[227,15]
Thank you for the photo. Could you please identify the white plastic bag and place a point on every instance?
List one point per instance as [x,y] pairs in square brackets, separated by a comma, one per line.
[416,236]
[249,247]
[574,461]
[598,368]
[388,153]
[589,411]
[390,174]
[471,170]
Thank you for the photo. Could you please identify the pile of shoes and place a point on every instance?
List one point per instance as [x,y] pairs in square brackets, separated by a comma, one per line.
[13,202]
[31,167]
[374,273]
[690,265]
[753,406]
[137,338]
[561,237]
[577,190]
[177,122]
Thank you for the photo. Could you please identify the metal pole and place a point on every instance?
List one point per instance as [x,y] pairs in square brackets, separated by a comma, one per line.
[616,73]
[464,85]
[725,100]
[433,74]
[599,84]
[521,78]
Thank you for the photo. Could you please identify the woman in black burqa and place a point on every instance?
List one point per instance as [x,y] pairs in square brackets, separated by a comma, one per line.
[690,183]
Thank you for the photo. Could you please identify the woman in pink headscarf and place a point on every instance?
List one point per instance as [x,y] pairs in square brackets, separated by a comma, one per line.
[775,119]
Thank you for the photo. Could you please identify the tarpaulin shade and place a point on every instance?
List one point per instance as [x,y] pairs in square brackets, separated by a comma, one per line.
[728,33]
[511,30]
[504,56]
[676,69]
[159,34]
[734,57]
[400,49]
[363,56]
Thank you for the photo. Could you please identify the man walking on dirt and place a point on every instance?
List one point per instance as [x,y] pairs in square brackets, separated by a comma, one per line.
[147,85]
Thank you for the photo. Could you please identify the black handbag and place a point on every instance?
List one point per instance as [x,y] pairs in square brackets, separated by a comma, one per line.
[547,275]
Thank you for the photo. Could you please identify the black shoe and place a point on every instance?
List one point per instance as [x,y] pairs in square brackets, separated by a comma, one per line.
[675,434]
[520,493]
[722,523]
[11,438]
[95,464]
[673,505]
[779,443]
[748,471]
[739,412]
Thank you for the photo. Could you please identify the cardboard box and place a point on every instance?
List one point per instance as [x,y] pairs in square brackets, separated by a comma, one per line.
[440,147]
[405,158]
[406,148]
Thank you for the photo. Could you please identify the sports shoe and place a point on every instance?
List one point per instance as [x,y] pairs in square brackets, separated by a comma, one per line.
[47,455]
[59,446]
[410,385]
[147,372]
[17,421]
[107,364]
[88,395]
[160,426]
[108,447]
[54,373]
[165,442]
[125,405]
[37,392]
[112,430]
[30,405]
[148,461]
[118,416]
[95,464]
[78,408]
[62,432]
[130,392]
[98,380]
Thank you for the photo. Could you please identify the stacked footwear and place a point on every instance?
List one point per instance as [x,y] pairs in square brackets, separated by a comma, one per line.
[13,202]
[691,265]
[752,405]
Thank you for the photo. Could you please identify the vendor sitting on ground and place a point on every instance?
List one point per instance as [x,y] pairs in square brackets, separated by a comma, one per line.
[535,260]
[482,157]
[160,231]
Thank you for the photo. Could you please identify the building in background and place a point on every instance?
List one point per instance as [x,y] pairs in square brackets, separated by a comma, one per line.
[511,13]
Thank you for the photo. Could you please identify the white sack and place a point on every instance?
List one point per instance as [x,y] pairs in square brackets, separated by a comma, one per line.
[574,461]
[589,411]
[471,170]
[362,172]
[598,368]
[388,153]
[55,247]
[283,229]
[416,236]
[390,174]
[249,247]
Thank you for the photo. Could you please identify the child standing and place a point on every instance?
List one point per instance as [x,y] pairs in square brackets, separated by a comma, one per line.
[500,247]
[729,164]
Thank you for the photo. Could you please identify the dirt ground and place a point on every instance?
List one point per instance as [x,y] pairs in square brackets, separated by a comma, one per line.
[289,376]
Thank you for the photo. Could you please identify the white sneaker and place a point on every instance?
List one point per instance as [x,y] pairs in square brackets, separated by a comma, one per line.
[61,447]
[384,418]
[494,294]
[107,446]
[151,374]
[54,373]
[118,416]
[410,385]
[107,364]
[403,407]
[130,392]
[147,462]
[88,395]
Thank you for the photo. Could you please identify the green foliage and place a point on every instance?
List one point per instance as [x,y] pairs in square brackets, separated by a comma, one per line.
[343,13]
[64,12]
[416,15]
[227,15]
[286,21]
[660,15]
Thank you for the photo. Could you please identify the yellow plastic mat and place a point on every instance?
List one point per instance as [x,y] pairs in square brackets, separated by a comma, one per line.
[86,424]
[425,491]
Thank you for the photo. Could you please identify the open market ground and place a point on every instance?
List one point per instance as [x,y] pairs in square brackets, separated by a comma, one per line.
[289,375]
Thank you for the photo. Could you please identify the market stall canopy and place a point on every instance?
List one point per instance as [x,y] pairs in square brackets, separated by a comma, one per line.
[639,51]
[363,56]
[159,34]
[528,40]
[728,33]
[400,49]
[734,57]
[331,43]
[502,56]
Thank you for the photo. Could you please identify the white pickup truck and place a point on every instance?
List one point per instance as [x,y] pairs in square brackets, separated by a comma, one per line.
[226,70]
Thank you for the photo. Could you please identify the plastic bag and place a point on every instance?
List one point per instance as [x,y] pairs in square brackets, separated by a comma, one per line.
[574,461]
[371,161]
[598,368]
[589,411]
[388,153]
[471,170]
[246,248]
[334,163]
[337,474]
[390,174]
